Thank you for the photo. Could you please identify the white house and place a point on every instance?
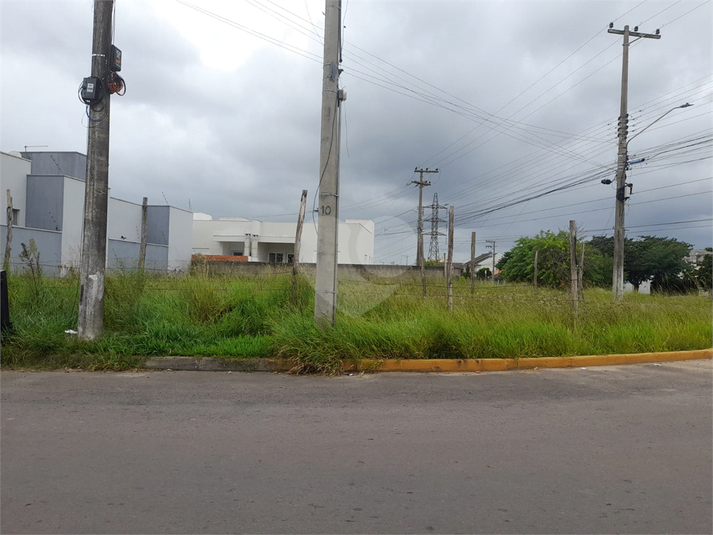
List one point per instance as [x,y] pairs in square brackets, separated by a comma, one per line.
[265,241]
[47,191]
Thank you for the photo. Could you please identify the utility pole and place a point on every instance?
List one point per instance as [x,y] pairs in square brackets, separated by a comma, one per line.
[419,243]
[573,264]
[449,262]
[492,246]
[619,229]
[90,322]
[325,296]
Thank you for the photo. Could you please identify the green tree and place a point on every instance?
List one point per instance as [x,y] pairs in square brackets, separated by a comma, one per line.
[553,254]
[553,265]
[704,271]
[661,260]
[652,258]
[507,255]
[483,274]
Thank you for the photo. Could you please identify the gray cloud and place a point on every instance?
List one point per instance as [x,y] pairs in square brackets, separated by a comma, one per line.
[245,142]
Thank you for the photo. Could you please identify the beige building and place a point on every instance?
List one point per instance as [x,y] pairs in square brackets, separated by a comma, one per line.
[273,242]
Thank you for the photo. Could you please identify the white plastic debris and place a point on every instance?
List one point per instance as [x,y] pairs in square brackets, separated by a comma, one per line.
[70,331]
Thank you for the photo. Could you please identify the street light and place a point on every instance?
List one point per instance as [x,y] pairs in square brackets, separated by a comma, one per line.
[621,197]
[686,105]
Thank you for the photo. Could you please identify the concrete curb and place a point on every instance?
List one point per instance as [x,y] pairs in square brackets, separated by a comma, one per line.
[423,365]
[209,364]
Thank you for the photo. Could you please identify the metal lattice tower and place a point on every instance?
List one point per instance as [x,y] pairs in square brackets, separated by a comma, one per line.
[433,253]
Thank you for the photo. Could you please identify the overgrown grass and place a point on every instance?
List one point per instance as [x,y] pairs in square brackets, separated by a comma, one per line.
[258,316]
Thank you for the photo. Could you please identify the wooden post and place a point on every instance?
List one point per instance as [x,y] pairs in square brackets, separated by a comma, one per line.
[8,242]
[535,274]
[298,244]
[144,233]
[472,263]
[5,323]
[580,272]
[449,263]
[573,263]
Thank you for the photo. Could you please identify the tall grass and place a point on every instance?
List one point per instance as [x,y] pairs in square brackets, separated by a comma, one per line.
[258,316]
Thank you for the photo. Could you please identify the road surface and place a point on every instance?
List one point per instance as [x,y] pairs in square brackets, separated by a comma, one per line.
[623,449]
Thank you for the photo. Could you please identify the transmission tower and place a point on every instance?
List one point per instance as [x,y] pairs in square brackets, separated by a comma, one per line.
[436,208]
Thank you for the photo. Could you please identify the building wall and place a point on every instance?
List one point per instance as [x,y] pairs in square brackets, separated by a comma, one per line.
[156,257]
[179,244]
[72,164]
[13,176]
[48,197]
[233,248]
[45,202]
[72,222]
[266,248]
[124,219]
[224,236]
[157,222]
[356,242]
[49,245]
[122,254]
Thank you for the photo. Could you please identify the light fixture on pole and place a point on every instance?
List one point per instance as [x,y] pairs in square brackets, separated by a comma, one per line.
[621,197]
[686,105]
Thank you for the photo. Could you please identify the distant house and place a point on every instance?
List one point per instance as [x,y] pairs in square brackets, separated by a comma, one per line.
[274,242]
[696,256]
[484,260]
[47,190]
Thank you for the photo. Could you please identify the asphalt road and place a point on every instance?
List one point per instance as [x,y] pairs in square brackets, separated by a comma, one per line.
[625,449]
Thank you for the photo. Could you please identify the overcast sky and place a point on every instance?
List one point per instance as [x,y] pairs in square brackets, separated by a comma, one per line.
[509,100]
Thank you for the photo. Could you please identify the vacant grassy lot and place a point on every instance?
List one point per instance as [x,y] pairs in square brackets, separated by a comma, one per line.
[260,316]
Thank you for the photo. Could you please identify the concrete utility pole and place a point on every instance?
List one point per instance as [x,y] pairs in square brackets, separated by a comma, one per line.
[449,263]
[419,242]
[96,198]
[492,246]
[325,297]
[621,197]
[534,277]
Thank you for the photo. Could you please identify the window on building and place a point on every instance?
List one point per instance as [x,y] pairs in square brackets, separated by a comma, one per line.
[237,253]
[290,258]
[276,258]
[15,215]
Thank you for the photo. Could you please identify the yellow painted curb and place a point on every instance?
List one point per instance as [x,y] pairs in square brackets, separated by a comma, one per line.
[486,365]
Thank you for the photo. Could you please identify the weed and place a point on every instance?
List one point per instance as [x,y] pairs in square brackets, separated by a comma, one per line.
[240,317]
